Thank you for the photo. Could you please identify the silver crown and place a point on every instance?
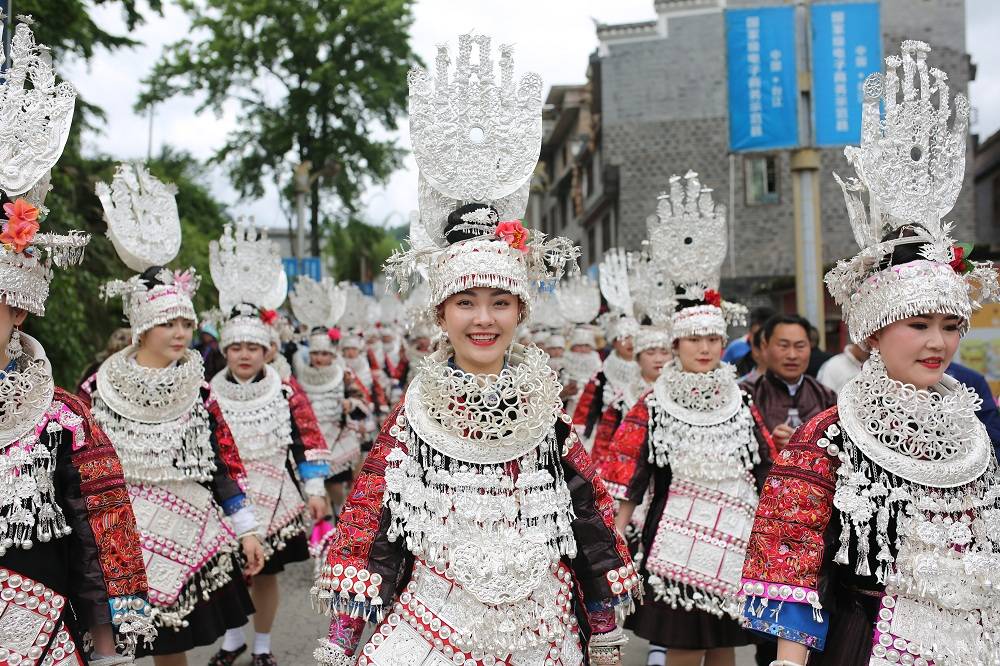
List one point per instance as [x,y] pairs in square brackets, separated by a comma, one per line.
[319,304]
[475,138]
[142,218]
[910,168]
[245,265]
[579,299]
[687,236]
[911,165]
[36,118]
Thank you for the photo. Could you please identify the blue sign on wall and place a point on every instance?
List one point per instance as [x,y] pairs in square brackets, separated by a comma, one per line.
[309,266]
[763,79]
[846,48]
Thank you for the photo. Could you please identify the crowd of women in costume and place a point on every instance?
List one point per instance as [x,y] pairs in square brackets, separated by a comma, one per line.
[470,474]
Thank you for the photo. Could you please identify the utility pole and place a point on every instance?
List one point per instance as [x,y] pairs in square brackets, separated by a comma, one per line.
[303,182]
[805,165]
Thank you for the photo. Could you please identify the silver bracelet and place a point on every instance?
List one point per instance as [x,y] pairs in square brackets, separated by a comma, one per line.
[784,662]
[605,655]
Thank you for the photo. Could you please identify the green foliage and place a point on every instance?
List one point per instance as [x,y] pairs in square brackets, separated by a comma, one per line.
[66,27]
[359,249]
[314,80]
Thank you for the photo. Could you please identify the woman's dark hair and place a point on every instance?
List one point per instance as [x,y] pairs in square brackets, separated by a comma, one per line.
[453,235]
[907,251]
[149,276]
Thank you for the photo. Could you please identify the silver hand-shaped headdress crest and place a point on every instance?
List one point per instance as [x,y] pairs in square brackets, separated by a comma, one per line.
[912,164]
[35,118]
[687,236]
[579,299]
[245,265]
[142,218]
[614,280]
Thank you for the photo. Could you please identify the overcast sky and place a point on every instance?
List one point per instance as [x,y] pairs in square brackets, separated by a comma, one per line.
[552,37]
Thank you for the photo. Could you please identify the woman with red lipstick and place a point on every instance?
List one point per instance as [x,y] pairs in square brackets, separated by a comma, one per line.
[183,470]
[876,537]
[477,530]
[698,442]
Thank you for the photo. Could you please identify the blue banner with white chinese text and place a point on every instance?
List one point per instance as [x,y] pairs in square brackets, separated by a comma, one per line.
[846,48]
[763,79]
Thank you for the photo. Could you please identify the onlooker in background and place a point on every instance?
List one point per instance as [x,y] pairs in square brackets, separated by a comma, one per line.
[817,356]
[119,339]
[208,347]
[988,412]
[842,367]
[752,366]
[785,395]
[741,347]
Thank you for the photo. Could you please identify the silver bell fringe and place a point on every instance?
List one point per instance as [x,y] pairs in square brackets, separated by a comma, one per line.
[215,574]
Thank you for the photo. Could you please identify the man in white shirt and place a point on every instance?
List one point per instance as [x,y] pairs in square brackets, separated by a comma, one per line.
[842,368]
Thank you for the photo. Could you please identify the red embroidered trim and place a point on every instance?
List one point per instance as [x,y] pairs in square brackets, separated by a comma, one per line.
[796,505]
[228,451]
[625,451]
[304,418]
[358,524]
[772,448]
[109,511]
[580,460]
[606,427]
[583,404]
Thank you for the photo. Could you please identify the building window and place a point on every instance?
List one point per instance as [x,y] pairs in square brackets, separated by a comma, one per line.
[606,240]
[761,180]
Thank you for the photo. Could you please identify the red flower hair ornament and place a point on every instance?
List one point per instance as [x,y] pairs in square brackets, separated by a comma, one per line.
[514,234]
[269,316]
[21,226]
[712,297]
[334,334]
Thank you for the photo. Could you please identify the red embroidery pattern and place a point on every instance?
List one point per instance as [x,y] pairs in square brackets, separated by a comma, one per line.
[625,451]
[772,448]
[583,404]
[304,417]
[606,427]
[102,485]
[228,451]
[580,460]
[359,520]
[796,504]
[354,384]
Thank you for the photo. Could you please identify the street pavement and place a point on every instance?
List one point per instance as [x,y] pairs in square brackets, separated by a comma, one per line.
[298,627]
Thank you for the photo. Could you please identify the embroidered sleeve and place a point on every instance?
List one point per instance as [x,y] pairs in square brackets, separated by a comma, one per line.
[309,449]
[605,575]
[786,550]
[363,567]
[378,394]
[582,409]
[229,479]
[625,467]
[610,420]
[102,484]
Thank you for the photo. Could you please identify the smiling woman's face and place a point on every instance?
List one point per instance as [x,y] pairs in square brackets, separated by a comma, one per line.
[917,350]
[480,323]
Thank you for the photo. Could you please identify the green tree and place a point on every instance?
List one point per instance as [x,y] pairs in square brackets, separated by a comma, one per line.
[359,249]
[315,80]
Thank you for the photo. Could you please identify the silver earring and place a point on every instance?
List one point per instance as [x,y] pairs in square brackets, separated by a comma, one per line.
[14,348]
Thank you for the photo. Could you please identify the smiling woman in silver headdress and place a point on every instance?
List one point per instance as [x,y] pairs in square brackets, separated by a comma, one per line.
[876,539]
[477,528]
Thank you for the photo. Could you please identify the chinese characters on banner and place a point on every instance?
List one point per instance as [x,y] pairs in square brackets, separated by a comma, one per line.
[846,48]
[763,91]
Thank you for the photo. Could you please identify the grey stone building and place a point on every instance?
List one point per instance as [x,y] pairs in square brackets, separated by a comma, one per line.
[987,177]
[658,106]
